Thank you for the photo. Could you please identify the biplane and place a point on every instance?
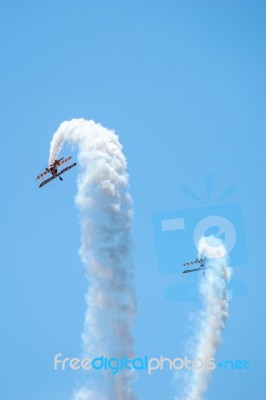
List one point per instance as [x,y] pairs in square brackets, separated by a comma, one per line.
[201,267]
[53,169]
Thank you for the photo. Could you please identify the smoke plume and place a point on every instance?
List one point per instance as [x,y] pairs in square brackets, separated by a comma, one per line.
[105,218]
[212,319]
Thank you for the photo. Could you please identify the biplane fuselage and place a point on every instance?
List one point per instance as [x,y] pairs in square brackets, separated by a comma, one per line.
[53,167]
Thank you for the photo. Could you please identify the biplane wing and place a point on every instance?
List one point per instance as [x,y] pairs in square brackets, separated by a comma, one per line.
[47,181]
[194,270]
[200,261]
[63,160]
[42,174]
[57,175]
[190,263]
[66,169]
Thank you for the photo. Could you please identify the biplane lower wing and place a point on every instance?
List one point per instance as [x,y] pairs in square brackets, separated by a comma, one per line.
[194,269]
[47,181]
[67,169]
[57,175]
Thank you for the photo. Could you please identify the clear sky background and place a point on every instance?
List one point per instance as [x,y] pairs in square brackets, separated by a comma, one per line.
[183,84]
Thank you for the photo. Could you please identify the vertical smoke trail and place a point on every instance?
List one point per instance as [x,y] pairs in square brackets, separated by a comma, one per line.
[106,215]
[213,291]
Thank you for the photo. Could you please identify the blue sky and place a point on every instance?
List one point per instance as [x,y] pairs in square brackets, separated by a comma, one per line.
[183,84]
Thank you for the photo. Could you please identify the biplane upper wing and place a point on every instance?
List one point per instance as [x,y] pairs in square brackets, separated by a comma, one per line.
[201,261]
[191,262]
[63,161]
[41,175]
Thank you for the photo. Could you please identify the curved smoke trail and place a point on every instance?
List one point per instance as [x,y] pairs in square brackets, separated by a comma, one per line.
[212,319]
[106,215]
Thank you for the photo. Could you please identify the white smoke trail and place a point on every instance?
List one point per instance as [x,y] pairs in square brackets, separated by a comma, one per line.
[106,215]
[213,291]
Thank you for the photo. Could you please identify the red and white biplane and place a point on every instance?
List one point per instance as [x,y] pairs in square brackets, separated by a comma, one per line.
[202,267]
[53,169]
